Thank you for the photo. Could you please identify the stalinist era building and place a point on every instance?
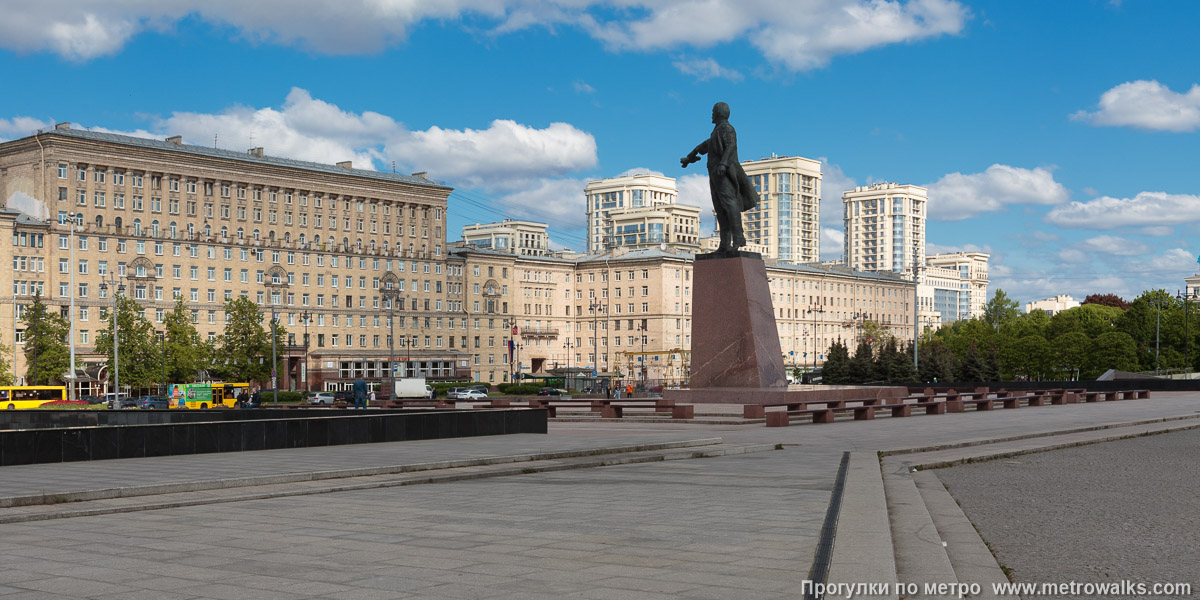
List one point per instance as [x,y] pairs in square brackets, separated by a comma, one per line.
[168,220]
[312,242]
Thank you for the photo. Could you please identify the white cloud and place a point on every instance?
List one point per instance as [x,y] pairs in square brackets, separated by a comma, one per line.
[525,163]
[1175,259]
[833,183]
[1145,209]
[833,244]
[956,196]
[559,202]
[641,171]
[1111,244]
[1146,105]
[707,68]
[19,127]
[798,34]
[693,191]
[1073,255]
[582,87]
[1157,231]
[931,249]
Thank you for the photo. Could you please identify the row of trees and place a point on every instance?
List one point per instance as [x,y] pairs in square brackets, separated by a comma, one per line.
[1152,333]
[148,356]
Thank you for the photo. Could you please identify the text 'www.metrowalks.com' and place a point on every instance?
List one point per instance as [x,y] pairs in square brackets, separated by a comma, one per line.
[1117,589]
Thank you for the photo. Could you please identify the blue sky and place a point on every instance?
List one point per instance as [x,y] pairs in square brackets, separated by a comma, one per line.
[1058,136]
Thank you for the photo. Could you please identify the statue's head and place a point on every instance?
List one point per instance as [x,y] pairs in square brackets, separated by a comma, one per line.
[720,112]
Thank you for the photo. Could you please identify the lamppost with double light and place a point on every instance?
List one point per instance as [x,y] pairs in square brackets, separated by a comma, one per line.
[71,373]
[389,290]
[1186,295]
[641,329]
[306,318]
[113,282]
[567,379]
[595,307]
[816,309]
[275,282]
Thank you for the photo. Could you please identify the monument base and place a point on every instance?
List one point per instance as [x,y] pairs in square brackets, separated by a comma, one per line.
[735,342]
[795,393]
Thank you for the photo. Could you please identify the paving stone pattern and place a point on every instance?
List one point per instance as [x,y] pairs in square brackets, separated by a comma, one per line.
[736,527]
[1123,510]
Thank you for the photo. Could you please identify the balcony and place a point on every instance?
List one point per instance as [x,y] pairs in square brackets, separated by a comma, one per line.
[539,332]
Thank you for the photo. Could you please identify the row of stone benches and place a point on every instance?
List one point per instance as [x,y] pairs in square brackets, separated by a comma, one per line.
[933,404]
[609,408]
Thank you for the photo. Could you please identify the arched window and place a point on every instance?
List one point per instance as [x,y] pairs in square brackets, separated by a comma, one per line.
[271,235]
[137,227]
[241,233]
[117,223]
[154,228]
[345,243]
[207,229]
[174,230]
[191,229]
[257,235]
[99,221]
[302,239]
[287,236]
[224,231]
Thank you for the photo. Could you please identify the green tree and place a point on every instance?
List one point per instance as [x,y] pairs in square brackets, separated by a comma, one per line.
[1036,357]
[6,374]
[1000,309]
[936,362]
[1089,319]
[246,345]
[1071,352]
[900,369]
[862,365]
[187,355]
[1148,321]
[138,349]
[46,352]
[971,366]
[836,369]
[1113,350]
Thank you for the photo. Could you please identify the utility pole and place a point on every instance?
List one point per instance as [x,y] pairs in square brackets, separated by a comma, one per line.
[390,291]
[71,367]
[112,282]
[596,307]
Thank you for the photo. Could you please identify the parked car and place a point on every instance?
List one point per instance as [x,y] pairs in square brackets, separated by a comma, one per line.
[320,398]
[91,399]
[346,396]
[125,402]
[153,402]
[429,393]
[472,394]
[111,398]
[548,391]
[483,389]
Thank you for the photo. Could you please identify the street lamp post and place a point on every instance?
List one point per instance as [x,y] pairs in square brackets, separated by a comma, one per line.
[1186,296]
[71,367]
[596,307]
[642,333]
[306,318]
[275,282]
[112,282]
[567,379]
[816,309]
[389,290]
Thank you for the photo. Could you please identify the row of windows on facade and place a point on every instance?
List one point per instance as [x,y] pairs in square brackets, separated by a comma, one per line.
[334,340]
[100,175]
[256,215]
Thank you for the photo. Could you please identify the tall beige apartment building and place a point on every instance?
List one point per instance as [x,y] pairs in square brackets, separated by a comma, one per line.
[638,211]
[787,221]
[169,220]
[885,227]
[510,235]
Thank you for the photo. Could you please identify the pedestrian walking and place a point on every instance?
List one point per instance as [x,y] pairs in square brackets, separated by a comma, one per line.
[360,393]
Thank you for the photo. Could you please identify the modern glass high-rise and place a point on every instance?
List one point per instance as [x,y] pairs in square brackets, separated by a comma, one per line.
[885,227]
[787,220]
[632,209]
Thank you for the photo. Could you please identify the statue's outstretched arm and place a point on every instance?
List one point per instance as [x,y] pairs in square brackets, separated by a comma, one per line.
[694,155]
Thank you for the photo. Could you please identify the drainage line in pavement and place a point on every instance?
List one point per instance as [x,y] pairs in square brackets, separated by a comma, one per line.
[820,566]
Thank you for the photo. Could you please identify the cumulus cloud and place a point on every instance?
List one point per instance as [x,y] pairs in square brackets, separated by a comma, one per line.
[1145,209]
[559,202]
[1073,255]
[693,191]
[1157,231]
[18,127]
[707,68]
[1111,244]
[797,34]
[1146,105]
[524,164]
[931,249]
[833,182]
[833,244]
[1175,259]
[957,196]
[582,87]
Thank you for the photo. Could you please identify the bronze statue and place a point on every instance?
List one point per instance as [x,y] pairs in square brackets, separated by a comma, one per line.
[732,193]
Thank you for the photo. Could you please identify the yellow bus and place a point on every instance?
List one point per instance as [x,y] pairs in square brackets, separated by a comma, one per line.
[204,395]
[30,396]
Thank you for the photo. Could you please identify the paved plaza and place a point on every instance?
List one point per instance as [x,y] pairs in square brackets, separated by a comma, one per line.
[709,510]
